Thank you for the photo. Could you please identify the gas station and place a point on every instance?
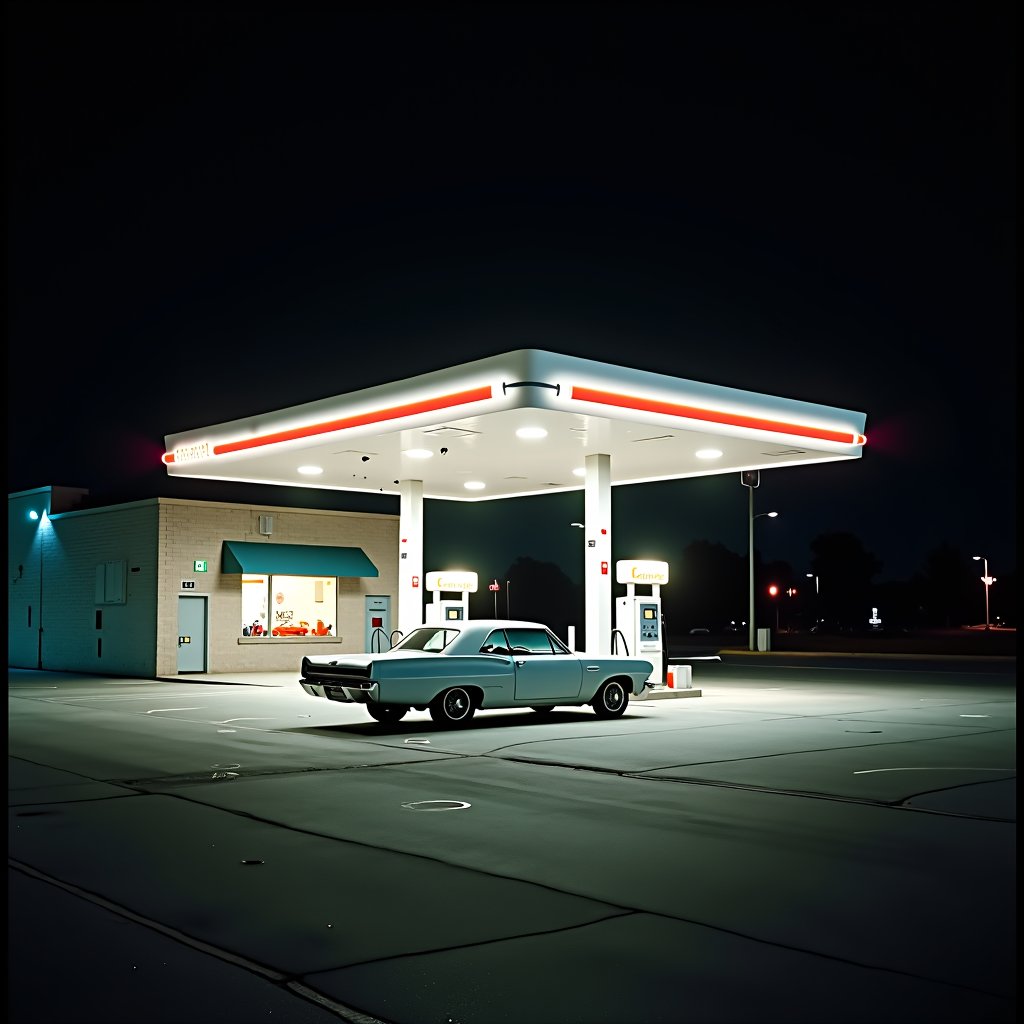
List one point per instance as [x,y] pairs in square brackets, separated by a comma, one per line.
[526,422]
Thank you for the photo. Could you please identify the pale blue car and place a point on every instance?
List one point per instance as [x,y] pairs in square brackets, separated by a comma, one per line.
[455,669]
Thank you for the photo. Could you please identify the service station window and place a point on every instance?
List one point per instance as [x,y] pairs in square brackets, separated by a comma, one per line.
[279,606]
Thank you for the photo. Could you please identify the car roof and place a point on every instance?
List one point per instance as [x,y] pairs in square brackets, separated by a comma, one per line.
[464,624]
[471,633]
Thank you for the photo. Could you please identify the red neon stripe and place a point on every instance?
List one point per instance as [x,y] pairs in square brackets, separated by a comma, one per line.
[378,416]
[712,416]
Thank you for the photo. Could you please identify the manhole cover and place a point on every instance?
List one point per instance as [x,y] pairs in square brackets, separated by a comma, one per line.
[436,805]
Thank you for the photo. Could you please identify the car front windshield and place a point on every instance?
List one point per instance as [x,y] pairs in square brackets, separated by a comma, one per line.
[431,639]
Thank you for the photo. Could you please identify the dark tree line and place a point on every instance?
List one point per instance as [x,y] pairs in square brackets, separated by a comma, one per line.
[837,590]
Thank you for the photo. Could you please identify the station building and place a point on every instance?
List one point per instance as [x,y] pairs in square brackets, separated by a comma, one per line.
[162,586]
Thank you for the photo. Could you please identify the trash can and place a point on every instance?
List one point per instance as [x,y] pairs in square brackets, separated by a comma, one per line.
[764,639]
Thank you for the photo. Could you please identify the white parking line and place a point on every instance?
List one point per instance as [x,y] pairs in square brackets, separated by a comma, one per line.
[872,771]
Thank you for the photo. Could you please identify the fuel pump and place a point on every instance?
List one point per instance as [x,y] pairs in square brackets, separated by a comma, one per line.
[638,616]
[451,592]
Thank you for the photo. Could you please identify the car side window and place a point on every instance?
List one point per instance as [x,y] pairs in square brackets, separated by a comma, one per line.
[495,643]
[529,641]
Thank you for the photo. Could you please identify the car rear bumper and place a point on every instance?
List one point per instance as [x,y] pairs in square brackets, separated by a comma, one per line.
[357,693]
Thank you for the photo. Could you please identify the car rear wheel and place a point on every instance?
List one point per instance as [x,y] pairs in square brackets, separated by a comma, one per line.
[387,713]
[453,707]
[611,700]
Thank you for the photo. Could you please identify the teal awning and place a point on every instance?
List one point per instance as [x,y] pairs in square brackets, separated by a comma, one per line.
[295,559]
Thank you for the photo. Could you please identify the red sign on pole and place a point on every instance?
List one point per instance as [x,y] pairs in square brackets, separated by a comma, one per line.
[494,586]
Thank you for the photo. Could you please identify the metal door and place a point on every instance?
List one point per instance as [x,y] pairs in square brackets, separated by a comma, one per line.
[191,634]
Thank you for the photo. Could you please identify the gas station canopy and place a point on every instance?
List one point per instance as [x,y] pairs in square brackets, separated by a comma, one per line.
[526,422]
[517,424]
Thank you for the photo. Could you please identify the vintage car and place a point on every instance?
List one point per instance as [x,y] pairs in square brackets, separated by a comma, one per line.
[300,630]
[455,669]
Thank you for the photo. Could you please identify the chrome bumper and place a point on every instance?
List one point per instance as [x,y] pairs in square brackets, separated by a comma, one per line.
[360,693]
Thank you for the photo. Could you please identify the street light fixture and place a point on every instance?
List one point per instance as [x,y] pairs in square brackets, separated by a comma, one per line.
[988,581]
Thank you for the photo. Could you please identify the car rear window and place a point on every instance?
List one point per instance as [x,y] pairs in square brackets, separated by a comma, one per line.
[427,638]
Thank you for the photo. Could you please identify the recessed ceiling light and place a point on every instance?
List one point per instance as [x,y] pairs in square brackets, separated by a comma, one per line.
[579,472]
[531,433]
[419,453]
[311,470]
[474,485]
[709,453]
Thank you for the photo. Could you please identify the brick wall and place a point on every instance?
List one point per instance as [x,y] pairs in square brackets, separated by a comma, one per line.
[191,531]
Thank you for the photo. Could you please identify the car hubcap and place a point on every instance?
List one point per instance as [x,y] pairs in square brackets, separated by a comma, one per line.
[613,698]
[456,705]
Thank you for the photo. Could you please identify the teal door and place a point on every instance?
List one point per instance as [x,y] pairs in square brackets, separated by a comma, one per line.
[191,634]
[378,623]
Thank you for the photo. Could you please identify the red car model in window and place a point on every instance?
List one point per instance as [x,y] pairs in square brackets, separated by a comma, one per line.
[300,630]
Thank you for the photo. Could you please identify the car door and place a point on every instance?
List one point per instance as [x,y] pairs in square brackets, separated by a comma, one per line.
[544,670]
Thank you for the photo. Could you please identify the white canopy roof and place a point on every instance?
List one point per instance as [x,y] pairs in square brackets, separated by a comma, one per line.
[653,427]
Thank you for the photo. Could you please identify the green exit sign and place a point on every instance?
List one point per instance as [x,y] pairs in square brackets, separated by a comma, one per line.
[199,565]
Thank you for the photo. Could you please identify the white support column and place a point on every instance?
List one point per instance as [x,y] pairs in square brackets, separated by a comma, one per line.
[597,562]
[410,555]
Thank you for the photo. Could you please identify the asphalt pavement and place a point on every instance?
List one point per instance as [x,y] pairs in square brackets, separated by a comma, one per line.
[811,839]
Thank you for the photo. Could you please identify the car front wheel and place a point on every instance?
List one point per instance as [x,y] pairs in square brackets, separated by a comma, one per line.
[387,713]
[453,707]
[611,700]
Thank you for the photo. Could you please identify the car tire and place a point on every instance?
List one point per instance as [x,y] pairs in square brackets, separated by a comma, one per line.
[611,700]
[453,707]
[387,713]
[543,709]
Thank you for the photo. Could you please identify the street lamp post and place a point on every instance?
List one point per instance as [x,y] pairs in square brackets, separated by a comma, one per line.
[572,629]
[988,581]
[817,596]
[750,550]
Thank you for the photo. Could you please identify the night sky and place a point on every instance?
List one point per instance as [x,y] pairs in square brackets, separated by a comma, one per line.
[217,209]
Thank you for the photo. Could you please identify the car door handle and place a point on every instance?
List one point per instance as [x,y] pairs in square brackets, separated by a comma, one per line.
[519,662]
[593,668]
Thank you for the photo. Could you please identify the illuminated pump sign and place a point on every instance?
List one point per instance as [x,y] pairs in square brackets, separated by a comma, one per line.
[459,582]
[627,571]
